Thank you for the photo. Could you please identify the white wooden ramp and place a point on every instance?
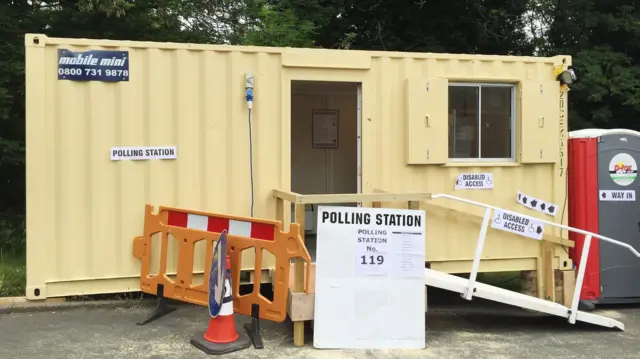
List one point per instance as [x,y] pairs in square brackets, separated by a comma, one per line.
[458,284]
[469,288]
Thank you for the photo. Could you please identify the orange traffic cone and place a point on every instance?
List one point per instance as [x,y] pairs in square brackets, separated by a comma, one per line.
[221,336]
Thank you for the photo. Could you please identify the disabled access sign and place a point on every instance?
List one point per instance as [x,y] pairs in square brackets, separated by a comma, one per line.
[517,223]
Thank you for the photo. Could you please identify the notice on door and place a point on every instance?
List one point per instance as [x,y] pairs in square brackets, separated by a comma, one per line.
[325,129]
[617,196]
[474,181]
[518,224]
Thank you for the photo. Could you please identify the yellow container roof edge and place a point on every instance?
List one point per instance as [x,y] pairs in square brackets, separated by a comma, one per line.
[46,40]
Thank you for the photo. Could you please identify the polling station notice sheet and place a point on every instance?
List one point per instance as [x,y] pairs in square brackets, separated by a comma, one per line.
[370,288]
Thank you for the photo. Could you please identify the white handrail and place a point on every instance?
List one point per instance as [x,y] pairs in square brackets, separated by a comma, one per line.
[468,294]
[572,229]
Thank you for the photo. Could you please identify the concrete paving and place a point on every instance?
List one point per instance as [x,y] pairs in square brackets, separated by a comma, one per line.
[473,330]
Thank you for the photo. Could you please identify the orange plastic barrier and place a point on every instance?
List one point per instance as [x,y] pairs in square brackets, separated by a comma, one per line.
[189,227]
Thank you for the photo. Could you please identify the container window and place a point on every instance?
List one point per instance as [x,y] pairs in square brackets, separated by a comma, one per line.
[481,121]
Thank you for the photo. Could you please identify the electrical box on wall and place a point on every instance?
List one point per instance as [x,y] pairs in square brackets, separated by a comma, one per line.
[248,80]
[310,218]
[602,174]
[426,121]
[325,128]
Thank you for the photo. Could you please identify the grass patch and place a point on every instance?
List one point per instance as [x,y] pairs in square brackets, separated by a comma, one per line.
[13,275]
[13,267]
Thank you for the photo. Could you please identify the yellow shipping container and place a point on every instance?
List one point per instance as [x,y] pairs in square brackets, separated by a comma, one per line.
[323,121]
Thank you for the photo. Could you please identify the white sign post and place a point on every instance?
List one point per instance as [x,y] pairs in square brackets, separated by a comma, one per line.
[370,289]
[518,224]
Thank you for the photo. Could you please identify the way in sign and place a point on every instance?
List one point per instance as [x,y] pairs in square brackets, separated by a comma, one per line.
[618,196]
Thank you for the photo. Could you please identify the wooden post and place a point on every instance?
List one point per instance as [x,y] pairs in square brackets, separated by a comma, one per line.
[568,286]
[545,275]
[280,211]
[298,276]
[529,282]
[565,286]
[416,205]
[549,272]
[557,279]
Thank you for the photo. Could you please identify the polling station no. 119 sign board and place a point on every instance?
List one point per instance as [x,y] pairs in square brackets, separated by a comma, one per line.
[370,289]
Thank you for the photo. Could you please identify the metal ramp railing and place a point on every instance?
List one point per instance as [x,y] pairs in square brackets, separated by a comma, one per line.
[552,308]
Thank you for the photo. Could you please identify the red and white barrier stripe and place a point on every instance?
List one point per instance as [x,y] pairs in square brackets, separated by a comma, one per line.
[257,230]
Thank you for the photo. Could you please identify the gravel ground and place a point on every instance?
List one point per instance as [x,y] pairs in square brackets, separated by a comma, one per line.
[473,330]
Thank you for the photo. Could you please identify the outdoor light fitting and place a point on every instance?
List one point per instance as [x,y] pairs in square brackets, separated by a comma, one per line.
[566,77]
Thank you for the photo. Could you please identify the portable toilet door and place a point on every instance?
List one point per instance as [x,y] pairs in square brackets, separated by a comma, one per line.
[603,169]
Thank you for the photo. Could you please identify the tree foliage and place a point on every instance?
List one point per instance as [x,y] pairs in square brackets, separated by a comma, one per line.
[457,26]
[603,38]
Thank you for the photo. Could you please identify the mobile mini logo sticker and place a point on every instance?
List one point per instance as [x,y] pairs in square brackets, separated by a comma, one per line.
[623,169]
[93,65]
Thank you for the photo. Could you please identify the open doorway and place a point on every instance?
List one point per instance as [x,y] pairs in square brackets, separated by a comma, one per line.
[325,141]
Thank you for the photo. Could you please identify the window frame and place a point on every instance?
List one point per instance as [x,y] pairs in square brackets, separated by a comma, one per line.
[480,85]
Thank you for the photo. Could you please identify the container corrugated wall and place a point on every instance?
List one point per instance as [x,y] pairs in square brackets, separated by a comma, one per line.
[84,210]
[451,241]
